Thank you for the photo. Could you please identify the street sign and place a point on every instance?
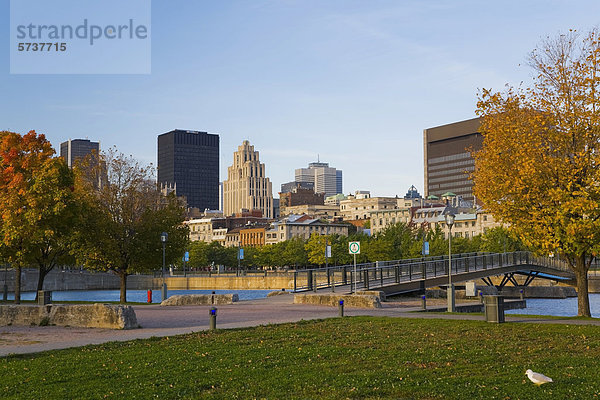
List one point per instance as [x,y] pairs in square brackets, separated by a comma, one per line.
[354,247]
[328,252]
[241,254]
[425,251]
[186,256]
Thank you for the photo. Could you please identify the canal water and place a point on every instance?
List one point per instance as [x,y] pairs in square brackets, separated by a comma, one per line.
[137,296]
[558,307]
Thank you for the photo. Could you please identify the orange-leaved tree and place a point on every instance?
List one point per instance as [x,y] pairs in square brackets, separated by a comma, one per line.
[36,204]
[538,169]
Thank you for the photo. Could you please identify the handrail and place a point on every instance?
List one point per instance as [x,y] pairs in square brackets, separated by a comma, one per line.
[383,273]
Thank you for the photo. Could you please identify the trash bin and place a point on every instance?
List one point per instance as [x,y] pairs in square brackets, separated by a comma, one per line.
[44,297]
[494,308]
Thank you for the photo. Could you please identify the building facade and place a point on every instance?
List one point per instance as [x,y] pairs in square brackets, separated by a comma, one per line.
[326,179]
[247,186]
[189,161]
[77,149]
[361,205]
[299,196]
[448,160]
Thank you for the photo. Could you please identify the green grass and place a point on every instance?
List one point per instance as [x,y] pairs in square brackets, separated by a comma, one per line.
[349,358]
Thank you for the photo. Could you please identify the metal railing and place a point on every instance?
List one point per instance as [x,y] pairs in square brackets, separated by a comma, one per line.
[384,273]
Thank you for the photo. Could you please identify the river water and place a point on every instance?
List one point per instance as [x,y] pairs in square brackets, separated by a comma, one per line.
[137,296]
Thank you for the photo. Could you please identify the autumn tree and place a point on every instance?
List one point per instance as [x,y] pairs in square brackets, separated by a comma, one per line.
[125,215]
[37,205]
[538,169]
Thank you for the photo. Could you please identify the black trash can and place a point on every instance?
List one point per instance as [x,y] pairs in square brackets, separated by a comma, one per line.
[494,308]
[44,297]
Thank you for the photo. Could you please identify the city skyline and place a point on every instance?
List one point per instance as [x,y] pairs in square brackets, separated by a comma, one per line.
[351,82]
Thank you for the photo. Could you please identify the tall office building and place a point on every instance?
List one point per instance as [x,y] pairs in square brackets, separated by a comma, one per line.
[247,186]
[326,179]
[448,160]
[189,162]
[76,149]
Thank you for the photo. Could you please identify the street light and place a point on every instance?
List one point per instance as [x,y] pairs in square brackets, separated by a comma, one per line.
[163,238]
[450,292]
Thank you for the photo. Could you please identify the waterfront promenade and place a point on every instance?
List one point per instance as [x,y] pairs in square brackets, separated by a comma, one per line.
[168,321]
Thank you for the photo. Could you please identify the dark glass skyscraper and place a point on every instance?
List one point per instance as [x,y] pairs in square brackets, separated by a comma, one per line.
[189,162]
[76,149]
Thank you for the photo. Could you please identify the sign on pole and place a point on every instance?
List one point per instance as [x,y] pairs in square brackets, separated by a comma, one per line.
[425,248]
[354,247]
[241,254]
[328,252]
[186,256]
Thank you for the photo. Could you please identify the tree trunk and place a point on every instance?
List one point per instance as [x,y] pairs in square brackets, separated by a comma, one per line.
[17,284]
[123,276]
[581,275]
[40,285]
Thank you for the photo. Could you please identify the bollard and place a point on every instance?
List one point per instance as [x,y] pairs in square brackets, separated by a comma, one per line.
[212,297]
[481,296]
[341,308]
[164,292]
[521,294]
[213,318]
[149,295]
[424,302]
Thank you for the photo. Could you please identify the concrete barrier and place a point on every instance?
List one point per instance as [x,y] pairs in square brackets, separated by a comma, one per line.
[350,300]
[542,292]
[200,299]
[77,315]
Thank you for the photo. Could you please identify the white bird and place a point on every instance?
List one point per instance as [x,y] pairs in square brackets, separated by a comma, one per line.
[537,378]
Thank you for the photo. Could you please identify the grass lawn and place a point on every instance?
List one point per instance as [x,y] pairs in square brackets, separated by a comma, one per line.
[355,358]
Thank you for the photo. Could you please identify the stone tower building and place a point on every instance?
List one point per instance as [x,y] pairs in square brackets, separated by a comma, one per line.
[246,186]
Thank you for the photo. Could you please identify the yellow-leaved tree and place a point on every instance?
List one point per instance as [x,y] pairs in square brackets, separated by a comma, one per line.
[538,169]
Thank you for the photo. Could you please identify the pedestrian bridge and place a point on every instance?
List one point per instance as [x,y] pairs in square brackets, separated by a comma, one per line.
[401,276]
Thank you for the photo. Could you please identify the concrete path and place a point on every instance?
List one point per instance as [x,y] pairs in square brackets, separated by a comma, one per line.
[169,321]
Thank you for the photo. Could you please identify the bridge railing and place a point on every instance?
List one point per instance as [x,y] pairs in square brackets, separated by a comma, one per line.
[382,273]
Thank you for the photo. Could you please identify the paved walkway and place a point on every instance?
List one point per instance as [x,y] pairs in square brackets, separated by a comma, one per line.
[168,321]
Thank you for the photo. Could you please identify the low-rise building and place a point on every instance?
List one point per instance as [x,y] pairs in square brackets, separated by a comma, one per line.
[361,205]
[252,236]
[315,211]
[303,226]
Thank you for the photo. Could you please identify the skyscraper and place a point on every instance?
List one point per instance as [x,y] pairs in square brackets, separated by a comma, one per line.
[247,186]
[448,159]
[326,179]
[76,149]
[188,161]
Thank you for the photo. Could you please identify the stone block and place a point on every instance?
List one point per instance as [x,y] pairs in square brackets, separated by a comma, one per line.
[350,300]
[200,299]
[77,315]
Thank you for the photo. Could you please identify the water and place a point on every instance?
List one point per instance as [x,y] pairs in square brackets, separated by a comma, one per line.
[558,307]
[137,296]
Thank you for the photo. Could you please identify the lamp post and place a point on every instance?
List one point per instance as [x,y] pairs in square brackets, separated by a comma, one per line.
[5,287]
[163,238]
[450,292]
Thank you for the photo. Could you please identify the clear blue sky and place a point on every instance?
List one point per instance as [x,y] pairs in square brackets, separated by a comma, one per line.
[353,82]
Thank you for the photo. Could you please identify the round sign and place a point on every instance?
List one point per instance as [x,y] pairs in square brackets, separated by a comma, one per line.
[354,247]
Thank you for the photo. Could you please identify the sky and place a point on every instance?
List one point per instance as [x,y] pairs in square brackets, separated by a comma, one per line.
[349,82]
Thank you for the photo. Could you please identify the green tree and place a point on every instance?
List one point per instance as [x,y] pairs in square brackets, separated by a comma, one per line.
[538,168]
[294,254]
[315,249]
[500,240]
[125,216]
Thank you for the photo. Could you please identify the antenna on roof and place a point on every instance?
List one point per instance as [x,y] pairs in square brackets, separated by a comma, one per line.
[318,159]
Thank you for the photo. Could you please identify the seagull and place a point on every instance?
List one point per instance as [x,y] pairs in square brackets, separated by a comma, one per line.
[537,378]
